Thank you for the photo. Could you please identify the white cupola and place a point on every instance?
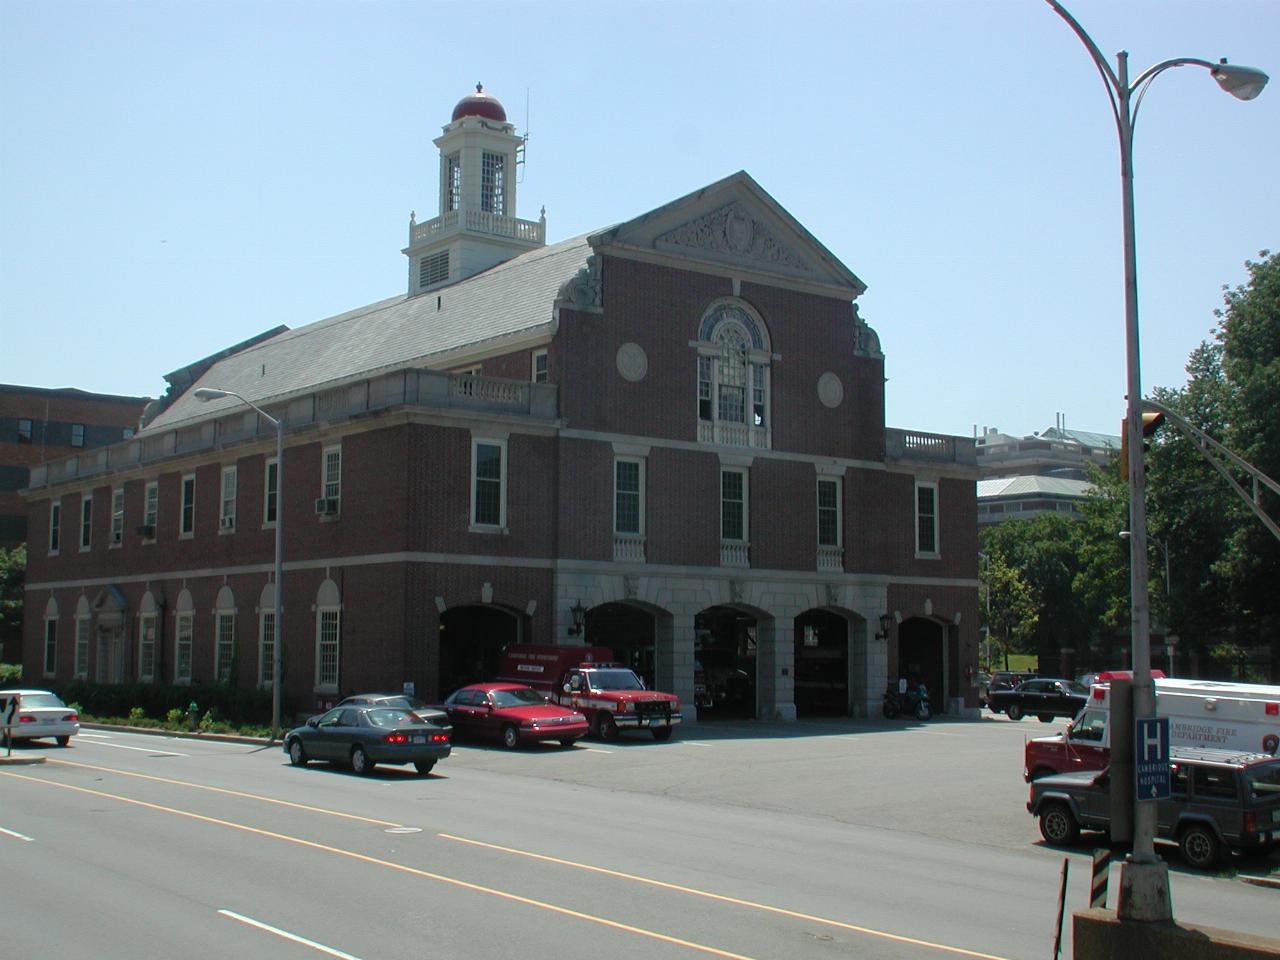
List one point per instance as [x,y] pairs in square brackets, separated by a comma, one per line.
[477,227]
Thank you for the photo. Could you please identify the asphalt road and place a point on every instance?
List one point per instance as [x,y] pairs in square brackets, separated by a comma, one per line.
[808,840]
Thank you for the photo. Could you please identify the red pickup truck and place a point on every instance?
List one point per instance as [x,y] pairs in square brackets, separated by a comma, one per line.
[588,680]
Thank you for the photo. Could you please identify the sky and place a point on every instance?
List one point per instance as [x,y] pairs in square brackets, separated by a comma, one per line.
[180,175]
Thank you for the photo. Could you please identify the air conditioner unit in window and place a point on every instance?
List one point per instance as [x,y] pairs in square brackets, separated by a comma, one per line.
[227,523]
[116,536]
[147,531]
[326,506]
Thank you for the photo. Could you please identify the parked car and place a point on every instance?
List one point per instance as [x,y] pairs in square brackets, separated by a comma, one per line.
[1043,698]
[513,714]
[364,736]
[1220,801]
[1008,679]
[43,715]
[424,711]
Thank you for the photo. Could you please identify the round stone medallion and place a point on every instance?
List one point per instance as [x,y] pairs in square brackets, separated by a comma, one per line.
[632,362]
[830,390]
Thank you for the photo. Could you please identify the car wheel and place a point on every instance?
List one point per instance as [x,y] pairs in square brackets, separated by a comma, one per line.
[297,755]
[568,742]
[424,766]
[1014,711]
[1058,825]
[1200,847]
[662,733]
[608,729]
[510,737]
[889,710]
[922,711]
[64,741]
[360,761]
[1045,717]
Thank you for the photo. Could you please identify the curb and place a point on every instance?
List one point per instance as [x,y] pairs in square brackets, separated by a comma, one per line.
[20,761]
[1273,882]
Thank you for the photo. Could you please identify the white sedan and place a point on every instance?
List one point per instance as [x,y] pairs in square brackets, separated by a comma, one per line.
[42,714]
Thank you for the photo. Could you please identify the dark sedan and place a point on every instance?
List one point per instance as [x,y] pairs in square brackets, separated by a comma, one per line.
[363,736]
[402,700]
[513,714]
[1043,698]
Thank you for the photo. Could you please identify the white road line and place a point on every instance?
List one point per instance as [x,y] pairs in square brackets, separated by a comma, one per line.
[694,743]
[597,750]
[284,934]
[94,736]
[151,750]
[16,836]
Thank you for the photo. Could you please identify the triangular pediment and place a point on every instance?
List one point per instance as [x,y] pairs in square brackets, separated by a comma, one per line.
[732,226]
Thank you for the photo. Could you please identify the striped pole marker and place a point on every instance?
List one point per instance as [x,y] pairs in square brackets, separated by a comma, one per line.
[1101,870]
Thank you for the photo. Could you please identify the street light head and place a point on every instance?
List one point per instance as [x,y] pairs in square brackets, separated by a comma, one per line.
[206,394]
[1243,83]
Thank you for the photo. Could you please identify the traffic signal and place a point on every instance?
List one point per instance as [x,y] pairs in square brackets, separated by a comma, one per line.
[1151,422]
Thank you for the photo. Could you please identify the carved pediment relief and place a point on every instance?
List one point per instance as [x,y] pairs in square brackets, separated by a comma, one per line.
[733,234]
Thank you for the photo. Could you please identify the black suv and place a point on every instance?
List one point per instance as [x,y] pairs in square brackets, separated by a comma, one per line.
[1220,800]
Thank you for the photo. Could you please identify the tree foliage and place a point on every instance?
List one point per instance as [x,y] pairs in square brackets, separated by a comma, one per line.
[13,570]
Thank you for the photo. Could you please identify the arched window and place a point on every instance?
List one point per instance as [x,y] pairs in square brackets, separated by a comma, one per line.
[733,376]
[267,635]
[82,637]
[51,637]
[328,636]
[184,625]
[224,636]
[147,638]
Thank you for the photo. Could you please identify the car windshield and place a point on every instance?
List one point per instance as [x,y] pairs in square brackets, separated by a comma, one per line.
[41,700]
[407,703]
[1264,781]
[517,698]
[613,680]
[390,717]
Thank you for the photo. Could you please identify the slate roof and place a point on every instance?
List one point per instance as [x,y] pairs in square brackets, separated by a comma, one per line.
[1102,441]
[512,298]
[1033,486]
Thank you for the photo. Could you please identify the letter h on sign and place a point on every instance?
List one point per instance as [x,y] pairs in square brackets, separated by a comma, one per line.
[1151,765]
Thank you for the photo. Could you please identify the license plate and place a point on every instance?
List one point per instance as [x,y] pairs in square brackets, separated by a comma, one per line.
[655,722]
[49,720]
[419,739]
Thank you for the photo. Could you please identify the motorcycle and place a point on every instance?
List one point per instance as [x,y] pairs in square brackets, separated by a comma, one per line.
[913,703]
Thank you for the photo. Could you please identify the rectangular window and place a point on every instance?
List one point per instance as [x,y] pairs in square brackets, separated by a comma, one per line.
[927,519]
[493,184]
[150,510]
[77,434]
[488,502]
[828,512]
[733,505]
[757,394]
[24,431]
[453,182]
[269,494]
[82,647]
[86,521]
[539,373]
[331,481]
[184,627]
[628,498]
[147,647]
[704,388]
[50,647]
[327,648]
[117,517]
[225,647]
[55,527]
[187,522]
[227,515]
[266,647]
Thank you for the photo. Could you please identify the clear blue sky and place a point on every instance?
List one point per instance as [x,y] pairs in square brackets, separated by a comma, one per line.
[176,176]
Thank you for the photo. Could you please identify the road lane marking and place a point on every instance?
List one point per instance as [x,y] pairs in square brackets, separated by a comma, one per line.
[155,752]
[402,868]
[285,934]
[16,835]
[230,793]
[721,898]
[597,750]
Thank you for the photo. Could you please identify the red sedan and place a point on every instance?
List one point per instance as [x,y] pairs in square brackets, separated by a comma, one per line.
[513,714]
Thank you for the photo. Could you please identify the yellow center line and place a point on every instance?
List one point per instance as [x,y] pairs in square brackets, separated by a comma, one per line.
[229,793]
[721,898]
[402,868]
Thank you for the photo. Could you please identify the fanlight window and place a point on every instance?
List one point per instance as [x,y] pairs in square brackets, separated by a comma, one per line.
[733,377]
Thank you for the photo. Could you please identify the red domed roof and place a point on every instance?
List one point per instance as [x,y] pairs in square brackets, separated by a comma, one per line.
[480,104]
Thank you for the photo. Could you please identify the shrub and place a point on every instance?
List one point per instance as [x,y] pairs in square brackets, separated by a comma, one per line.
[10,673]
[137,713]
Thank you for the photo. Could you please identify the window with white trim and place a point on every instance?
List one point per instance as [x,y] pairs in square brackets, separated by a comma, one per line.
[829,525]
[493,180]
[150,511]
[331,473]
[50,647]
[328,622]
[77,434]
[225,645]
[187,517]
[926,519]
[733,376]
[628,495]
[539,366]
[184,628]
[24,430]
[147,647]
[266,647]
[452,182]
[82,642]
[488,484]
[227,512]
[269,501]
[86,521]
[55,527]
[117,516]
[733,504]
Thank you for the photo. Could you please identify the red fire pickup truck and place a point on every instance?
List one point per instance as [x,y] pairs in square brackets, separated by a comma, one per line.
[588,680]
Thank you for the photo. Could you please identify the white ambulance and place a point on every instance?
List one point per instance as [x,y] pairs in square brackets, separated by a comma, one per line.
[1202,713]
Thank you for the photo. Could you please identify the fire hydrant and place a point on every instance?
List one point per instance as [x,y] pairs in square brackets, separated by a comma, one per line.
[193,715]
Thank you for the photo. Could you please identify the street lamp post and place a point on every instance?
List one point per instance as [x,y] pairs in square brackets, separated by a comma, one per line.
[1144,880]
[206,394]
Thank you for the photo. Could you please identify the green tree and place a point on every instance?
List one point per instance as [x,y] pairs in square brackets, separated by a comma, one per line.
[1010,613]
[13,570]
